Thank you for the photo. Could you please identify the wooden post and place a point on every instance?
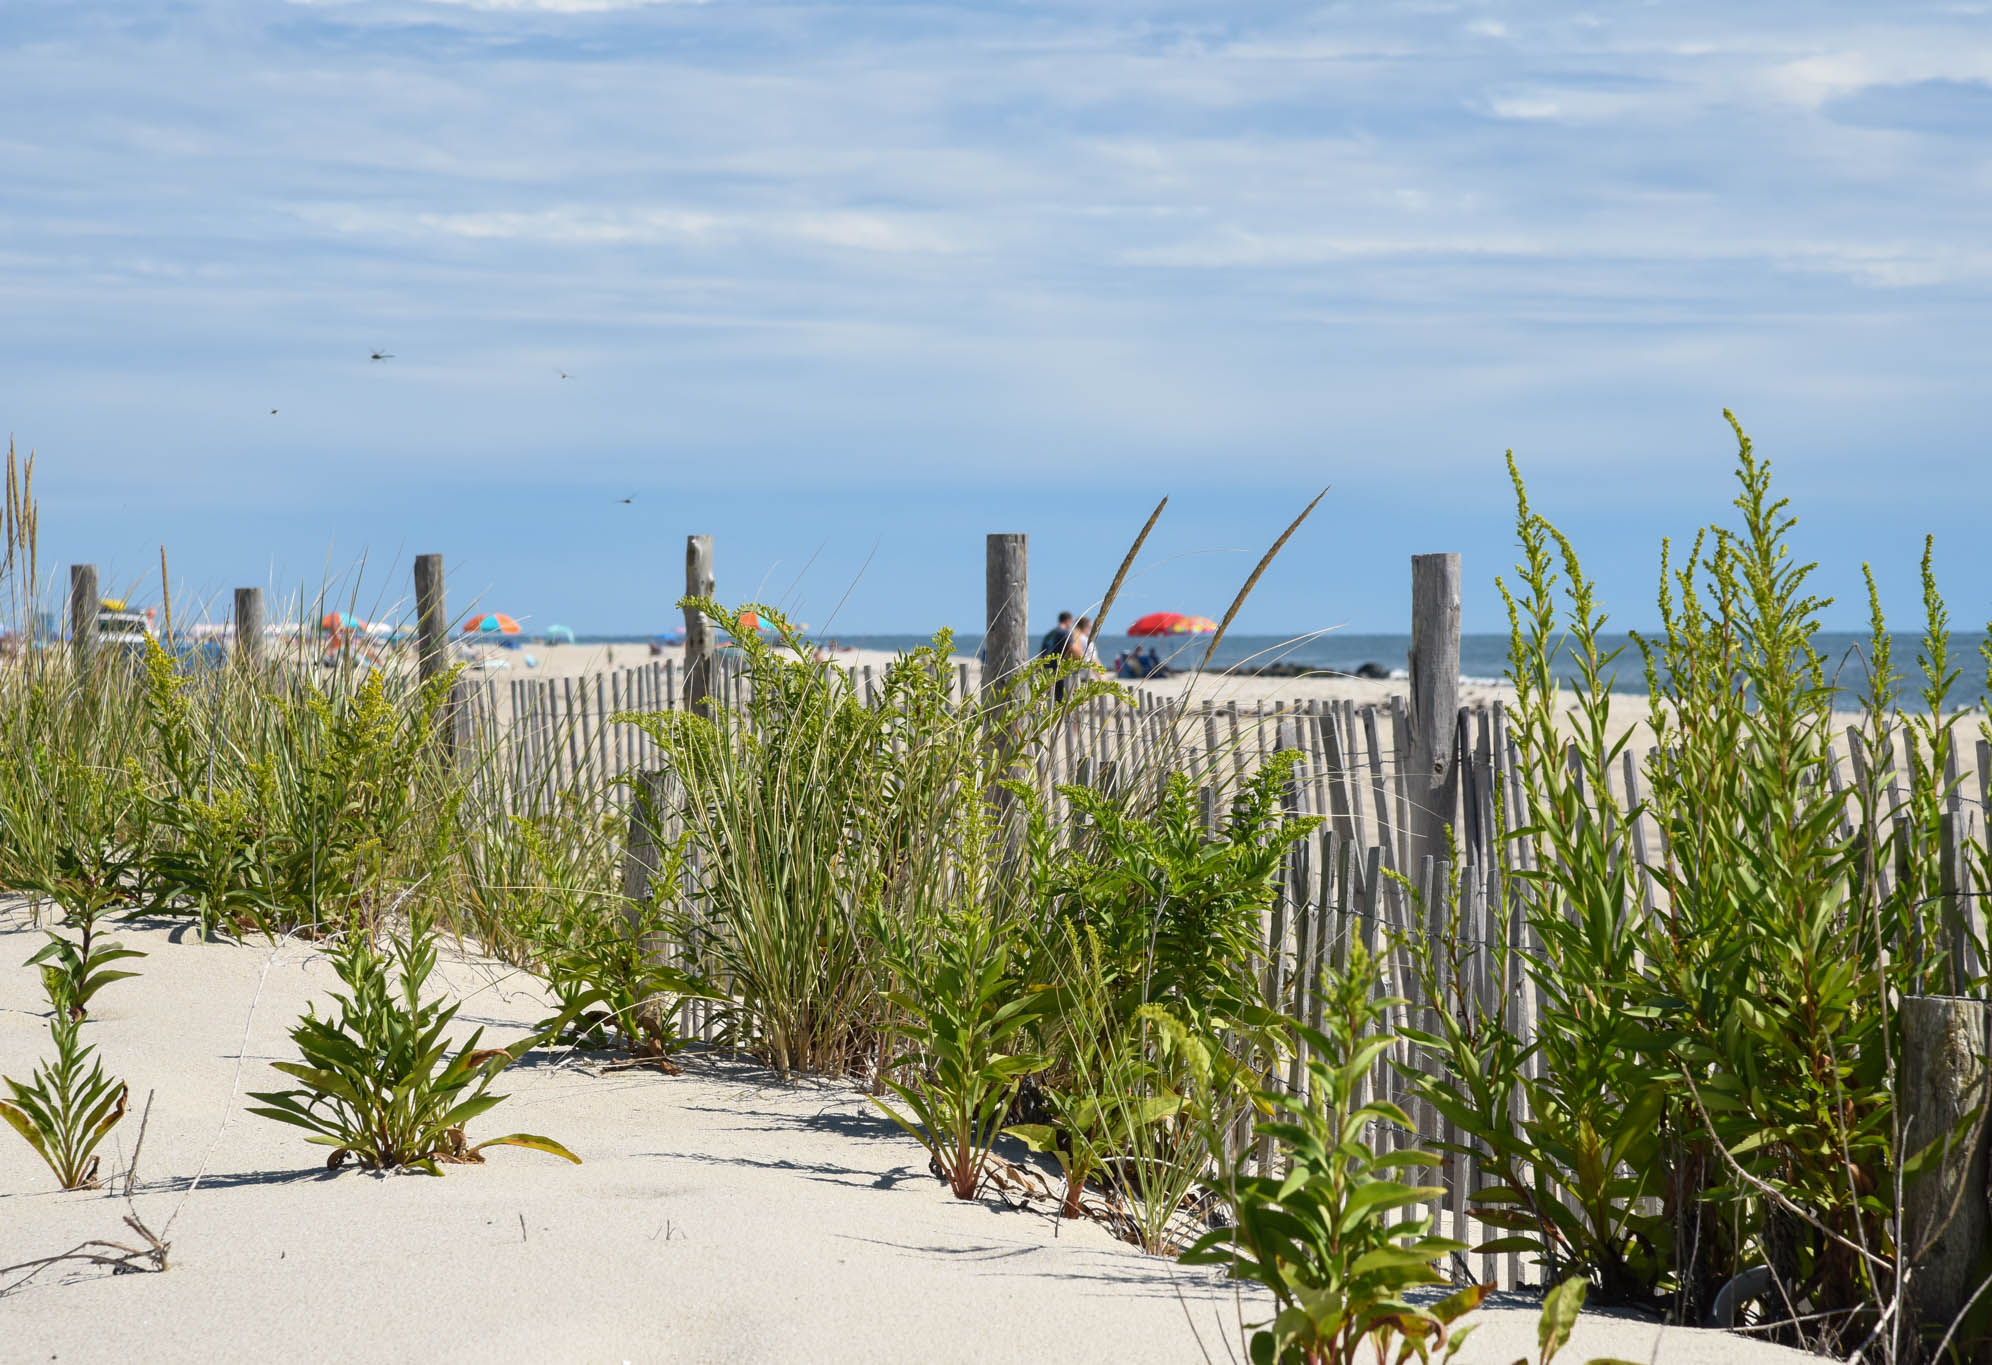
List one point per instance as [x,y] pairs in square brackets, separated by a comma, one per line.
[1006,642]
[641,859]
[1945,1224]
[249,627]
[1432,775]
[431,615]
[84,604]
[698,628]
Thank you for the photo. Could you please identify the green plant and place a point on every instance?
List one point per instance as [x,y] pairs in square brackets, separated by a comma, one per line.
[1709,1085]
[611,981]
[273,806]
[962,1009]
[63,1111]
[831,831]
[1173,910]
[1128,1096]
[74,970]
[1099,1070]
[1320,1236]
[1573,1125]
[1776,982]
[379,1083]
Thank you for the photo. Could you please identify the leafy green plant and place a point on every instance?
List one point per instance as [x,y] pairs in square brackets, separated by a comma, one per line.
[612,983]
[1573,1126]
[63,1110]
[1709,1085]
[379,1082]
[1776,992]
[1321,1236]
[274,806]
[74,970]
[1173,909]
[961,1010]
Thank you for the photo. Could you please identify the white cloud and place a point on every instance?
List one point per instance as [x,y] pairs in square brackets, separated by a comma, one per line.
[620,226]
[1892,59]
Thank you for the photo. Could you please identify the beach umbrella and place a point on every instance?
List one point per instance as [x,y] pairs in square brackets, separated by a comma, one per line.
[1172,623]
[342,620]
[560,635]
[491,623]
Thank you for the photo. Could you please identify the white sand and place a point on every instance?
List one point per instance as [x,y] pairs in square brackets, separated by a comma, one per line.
[718,1217]
[1629,711]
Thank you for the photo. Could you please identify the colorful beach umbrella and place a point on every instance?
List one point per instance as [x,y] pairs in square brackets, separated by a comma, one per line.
[491,623]
[1172,623]
[342,620]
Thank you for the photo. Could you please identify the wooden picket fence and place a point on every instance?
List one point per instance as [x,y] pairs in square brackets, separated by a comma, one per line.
[1351,880]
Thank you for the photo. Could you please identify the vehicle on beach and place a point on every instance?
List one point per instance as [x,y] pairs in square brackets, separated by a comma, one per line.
[123,627]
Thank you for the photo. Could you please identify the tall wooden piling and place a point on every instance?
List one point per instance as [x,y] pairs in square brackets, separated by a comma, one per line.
[698,628]
[84,604]
[431,615]
[1432,778]
[1945,1223]
[249,627]
[1006,641]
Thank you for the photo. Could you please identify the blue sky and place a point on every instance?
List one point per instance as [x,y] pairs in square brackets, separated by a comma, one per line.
[850,285]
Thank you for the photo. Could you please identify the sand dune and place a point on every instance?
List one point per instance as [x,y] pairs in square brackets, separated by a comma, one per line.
[719,1216]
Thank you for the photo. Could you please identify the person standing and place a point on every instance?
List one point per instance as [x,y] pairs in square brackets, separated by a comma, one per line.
[1052,646]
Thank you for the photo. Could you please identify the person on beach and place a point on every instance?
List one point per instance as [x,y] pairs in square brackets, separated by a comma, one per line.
[1052,648]
[1079,644]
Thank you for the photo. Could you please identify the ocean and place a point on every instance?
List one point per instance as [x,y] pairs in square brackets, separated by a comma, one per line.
[1482,657]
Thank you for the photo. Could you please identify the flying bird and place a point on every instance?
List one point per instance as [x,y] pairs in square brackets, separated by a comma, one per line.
[563,374]
[273,412]
[628,500]
[381,355]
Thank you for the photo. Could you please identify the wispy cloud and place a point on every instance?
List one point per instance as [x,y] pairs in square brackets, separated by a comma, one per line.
[1008,243]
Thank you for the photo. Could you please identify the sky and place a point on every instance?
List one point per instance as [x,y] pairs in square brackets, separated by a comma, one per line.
[849,286]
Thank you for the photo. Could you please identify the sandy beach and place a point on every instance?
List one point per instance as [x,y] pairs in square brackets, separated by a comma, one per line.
[1629,712]
[718,1216]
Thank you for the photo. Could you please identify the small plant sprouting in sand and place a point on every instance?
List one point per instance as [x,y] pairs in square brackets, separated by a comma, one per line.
[1322,1237]
[376,1085]
[961,1012]
[64,1111]
[74,970]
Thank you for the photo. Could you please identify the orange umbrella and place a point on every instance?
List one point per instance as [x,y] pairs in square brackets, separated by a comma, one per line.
[1172,623]
[491,623]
